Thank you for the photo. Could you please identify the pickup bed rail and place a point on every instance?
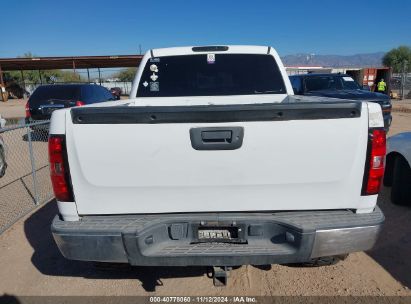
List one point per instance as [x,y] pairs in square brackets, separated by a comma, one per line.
[216,113]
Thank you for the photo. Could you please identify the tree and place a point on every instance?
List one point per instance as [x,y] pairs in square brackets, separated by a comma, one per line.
[398,58]
[126,75]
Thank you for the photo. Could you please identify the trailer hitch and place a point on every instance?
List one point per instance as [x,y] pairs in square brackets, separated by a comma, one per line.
[220,275]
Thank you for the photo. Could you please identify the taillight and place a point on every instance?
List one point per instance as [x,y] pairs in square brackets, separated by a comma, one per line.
[28,114]
[59,169]
[376,157]
[79,103]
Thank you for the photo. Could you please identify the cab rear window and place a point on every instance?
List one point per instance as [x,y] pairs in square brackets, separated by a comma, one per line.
[211,75]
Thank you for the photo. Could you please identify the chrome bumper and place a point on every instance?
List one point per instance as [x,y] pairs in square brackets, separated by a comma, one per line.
[344,240]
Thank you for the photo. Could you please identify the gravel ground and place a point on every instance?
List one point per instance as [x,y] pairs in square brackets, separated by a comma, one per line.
[31,264]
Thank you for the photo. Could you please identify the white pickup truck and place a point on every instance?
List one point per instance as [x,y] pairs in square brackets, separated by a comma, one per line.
[213,161]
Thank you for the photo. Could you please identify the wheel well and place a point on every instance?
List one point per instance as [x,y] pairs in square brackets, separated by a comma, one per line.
[389,167]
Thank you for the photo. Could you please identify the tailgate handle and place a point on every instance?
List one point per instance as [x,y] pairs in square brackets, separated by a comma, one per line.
[216,138]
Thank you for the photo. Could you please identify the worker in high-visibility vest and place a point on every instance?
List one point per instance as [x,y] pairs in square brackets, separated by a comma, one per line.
[381,86]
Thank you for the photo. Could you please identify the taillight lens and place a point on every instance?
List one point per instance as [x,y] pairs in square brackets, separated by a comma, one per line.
[376,164]
[28,114]
[58,169]
[79,103]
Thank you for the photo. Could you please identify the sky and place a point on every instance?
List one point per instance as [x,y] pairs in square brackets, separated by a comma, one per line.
[89,27]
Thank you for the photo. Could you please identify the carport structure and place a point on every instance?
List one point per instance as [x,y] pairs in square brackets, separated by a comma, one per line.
[74,62]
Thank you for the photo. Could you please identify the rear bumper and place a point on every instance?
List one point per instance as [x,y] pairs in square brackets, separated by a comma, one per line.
[170,239]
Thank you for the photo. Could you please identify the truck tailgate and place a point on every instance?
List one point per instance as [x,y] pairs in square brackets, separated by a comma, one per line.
[142,159]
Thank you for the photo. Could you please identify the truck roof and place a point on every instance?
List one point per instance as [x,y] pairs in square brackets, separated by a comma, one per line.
[231,49]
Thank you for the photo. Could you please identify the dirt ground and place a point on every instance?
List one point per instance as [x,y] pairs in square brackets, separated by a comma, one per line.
[31,264]
[13,108]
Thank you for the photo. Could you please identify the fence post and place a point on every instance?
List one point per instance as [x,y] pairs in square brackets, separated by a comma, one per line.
[33,166]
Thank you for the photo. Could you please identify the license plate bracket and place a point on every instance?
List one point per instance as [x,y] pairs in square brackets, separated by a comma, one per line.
[219,233]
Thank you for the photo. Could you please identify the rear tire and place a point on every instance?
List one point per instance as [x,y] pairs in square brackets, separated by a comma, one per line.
[322,261]
[401,182]
[326,261]
[389,169]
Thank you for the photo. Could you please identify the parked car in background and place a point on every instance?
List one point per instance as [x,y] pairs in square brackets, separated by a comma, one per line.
[340,86]
[398,168]
[116,91]
[48,98]
[3,163]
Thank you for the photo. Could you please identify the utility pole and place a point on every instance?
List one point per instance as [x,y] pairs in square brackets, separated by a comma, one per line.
[404,77]
[23,83]
[99,76]
[41,79]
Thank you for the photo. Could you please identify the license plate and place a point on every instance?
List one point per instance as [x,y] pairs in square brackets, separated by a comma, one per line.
[48,109]
[217,233]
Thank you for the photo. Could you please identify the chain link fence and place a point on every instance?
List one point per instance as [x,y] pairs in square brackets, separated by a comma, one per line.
[401,84]
[25,181]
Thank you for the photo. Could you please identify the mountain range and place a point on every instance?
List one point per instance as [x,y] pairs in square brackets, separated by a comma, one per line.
[357,60]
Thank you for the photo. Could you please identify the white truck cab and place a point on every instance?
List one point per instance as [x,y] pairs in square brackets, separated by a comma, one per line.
[214,161]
